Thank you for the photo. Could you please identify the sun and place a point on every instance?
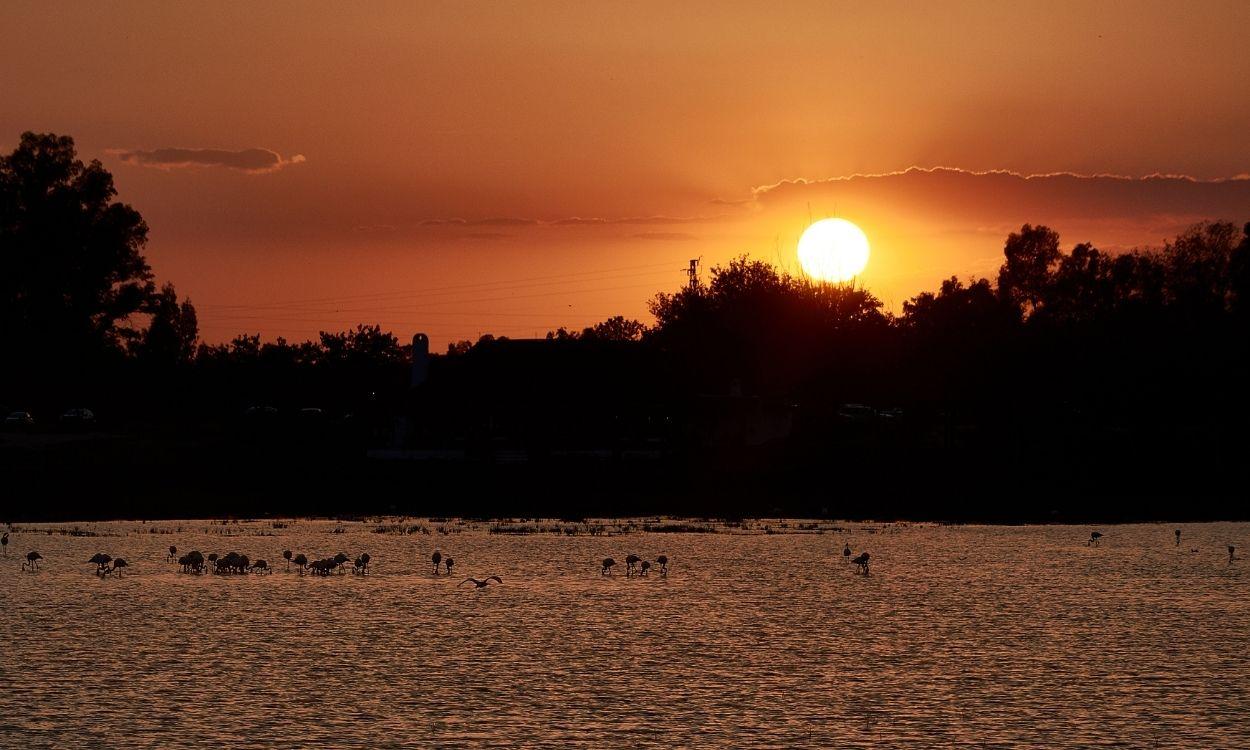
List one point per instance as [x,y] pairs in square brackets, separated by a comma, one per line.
[833,250]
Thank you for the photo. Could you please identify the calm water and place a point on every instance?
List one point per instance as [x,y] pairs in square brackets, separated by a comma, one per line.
[961,637]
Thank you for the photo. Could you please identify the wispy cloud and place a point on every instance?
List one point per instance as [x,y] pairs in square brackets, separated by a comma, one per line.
[568,221]
[250,160]
[665,236]
[999,194]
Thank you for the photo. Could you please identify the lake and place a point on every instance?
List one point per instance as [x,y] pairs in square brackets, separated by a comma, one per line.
[760,636]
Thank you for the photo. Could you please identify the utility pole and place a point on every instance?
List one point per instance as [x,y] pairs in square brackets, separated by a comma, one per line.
[693,272]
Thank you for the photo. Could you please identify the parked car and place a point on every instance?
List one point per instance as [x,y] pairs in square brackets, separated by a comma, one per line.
[78,417]
[19,420]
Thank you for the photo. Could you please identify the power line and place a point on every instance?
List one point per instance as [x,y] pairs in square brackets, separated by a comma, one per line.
[424,308]
[503,284]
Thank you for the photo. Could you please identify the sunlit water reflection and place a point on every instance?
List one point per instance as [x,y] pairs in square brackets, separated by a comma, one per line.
[960,637]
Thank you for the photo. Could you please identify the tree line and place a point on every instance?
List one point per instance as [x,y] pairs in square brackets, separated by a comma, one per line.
[1076,333]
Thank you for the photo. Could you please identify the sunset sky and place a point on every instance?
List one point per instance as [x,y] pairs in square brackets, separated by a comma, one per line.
[469,167]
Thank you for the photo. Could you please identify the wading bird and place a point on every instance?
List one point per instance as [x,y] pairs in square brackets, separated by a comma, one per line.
[340,560]
[32,561]
[301,562]
[286,555]
[361,566]
[173,553]
[4,542]
[260,566]
[1178,537]
[861,563]
[644,568]
[607,566]
[322,567]
[482,583]
[448,563]
[631,563]
[118,564]
[192,562]
[1231,551]
[437,558]
[846,553]
[1094,538]
[101,562]
[663,561]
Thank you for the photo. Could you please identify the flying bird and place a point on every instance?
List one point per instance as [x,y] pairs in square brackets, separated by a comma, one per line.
[482,583]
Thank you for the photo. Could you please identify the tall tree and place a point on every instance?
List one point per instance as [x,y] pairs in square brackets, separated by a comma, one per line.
[71,270]
[1030,256]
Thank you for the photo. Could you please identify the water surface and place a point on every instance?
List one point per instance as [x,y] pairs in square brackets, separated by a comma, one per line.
[960,637]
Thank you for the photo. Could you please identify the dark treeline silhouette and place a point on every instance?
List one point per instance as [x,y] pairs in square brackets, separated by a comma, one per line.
[1074,384]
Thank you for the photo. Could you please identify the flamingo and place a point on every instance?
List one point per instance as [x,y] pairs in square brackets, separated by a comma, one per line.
[861,563]
[4,542]
[340,560]
[607,566]
[192,562]
[212,560]
[323,567]
[1094,538]
[1231,550]
[631,562]
[118,564]
[448,563]
[32,561]
[482,583]
[260,566]
[646,566]
[361,565]
[301,562]
[1178,537]
[437,557]
[846,553]
[663,561]
[173,553]
[101,562]
[286,555]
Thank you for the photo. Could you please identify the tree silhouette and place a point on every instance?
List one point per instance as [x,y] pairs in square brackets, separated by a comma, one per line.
[173,331]
[71,271]
[1030,256]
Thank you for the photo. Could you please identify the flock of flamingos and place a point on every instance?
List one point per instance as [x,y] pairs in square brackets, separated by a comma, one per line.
[197,562]
[233,563]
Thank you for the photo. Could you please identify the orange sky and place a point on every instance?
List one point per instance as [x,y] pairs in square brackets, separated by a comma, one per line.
[307,166]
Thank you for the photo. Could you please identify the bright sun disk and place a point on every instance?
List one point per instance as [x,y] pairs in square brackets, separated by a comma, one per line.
[833,250]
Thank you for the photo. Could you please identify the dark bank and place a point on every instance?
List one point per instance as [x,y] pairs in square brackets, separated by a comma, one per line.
[1075,385]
